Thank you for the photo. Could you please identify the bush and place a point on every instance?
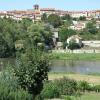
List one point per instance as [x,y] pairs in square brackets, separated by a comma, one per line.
[73,45]
[64,45]
[96,88]
[83,86]
[9,89]
[66,86]
[50,90]
[32,70]
[57,88]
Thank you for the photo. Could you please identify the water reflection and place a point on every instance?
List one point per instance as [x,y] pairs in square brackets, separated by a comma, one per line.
[72,66]
[68,66]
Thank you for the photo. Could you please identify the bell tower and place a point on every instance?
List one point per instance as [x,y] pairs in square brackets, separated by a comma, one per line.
[36,8]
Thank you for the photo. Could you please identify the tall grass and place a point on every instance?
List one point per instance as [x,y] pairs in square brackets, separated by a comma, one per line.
[9,89]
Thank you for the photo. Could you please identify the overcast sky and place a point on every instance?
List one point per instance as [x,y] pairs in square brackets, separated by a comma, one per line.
[58,4]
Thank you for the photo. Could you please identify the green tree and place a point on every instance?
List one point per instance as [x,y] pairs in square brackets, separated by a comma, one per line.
[40,34]
[64,33]
[91,28]
[44,17]
[4,48]
[73,45]
[67,17]
[25,22]
[82,18]
[54,20]
[32,70]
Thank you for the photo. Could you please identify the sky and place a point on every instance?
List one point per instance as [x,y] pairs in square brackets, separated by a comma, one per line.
[58,4]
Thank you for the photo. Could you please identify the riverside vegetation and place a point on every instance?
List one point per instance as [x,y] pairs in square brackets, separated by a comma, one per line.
[27,42]
[14,33]
[73,56]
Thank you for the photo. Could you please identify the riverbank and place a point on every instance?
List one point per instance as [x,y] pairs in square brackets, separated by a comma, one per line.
[85,96]
[75,56]
[78,77]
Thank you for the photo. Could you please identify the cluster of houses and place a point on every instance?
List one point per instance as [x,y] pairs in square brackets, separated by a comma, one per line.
[36,12]
[78,25]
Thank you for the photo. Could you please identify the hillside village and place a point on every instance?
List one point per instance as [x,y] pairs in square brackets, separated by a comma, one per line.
[78,21]
[36,13]
[47,53]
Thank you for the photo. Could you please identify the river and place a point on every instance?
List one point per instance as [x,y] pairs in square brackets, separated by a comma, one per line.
[68,66]
[73,66]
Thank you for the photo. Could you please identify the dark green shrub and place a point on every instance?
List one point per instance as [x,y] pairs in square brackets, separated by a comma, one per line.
[64,45]
[50,90]
[66,86]
[96,88]
[73,46]
[83,86]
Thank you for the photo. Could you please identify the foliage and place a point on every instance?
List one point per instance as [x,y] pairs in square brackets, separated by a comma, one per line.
[12,31]
[9,89]
[65,33]
[65,45]
[67,17]
[4,48]
[32,70]
[44,17]
[82,18]
[66,86]
[39,33]
[96,88]
[91,28]
[54,20]
[50,90]
[83,86]
[73,45]
[57,88]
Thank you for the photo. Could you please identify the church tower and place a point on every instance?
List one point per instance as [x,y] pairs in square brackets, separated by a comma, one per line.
[37,14]
[36,8]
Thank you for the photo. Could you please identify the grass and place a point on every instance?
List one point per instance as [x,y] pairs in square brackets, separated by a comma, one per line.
[91,96]
[94,74]
[78,77]
[86,96]
[71,56]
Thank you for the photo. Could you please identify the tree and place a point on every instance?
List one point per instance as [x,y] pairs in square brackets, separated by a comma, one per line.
[32,70]
[67,17]
[35,33]
[65,33]
[67,20]
[82,18]
[73,45]
[40,34]
[54,20]
[4,48]
[26,22]
[91,28]
[44,17]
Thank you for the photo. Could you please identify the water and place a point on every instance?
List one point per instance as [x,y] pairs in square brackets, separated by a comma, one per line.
[68,66]
[72,66]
